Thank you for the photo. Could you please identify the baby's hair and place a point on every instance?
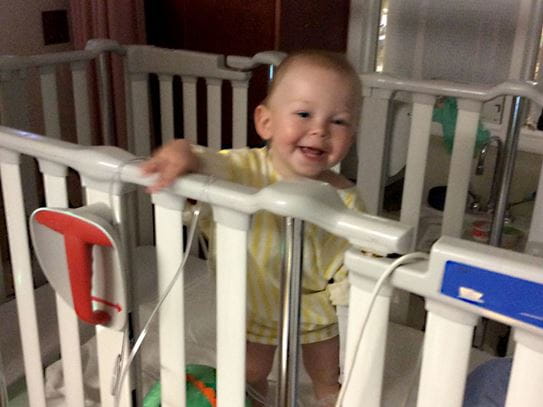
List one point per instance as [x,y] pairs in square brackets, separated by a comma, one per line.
[325,59]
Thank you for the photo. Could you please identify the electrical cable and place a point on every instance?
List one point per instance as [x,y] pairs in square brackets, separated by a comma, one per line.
[116,178]
[377,288]
[145,330]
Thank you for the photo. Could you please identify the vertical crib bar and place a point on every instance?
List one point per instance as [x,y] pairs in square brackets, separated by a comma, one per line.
[49,94]
[214,113]
[190,127]
[443,373]
[239,113]
[140,114]
[372,157]
[527,372]
[108,341]
[169,247]
[81,102]
[22,275]
[166,107]
[12,89]
[57,197]
[291,280]
[460,170]
[419,140]
[366,382]
[142,148]
[231,232]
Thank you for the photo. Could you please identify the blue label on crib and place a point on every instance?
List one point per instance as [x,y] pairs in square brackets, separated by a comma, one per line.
[509,296]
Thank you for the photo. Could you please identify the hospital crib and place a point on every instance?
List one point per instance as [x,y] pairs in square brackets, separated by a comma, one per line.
[108,176]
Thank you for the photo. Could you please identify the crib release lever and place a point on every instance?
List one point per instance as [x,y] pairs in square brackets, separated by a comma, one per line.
[65,242]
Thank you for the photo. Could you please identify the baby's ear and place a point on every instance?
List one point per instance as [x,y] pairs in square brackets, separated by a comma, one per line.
[262,119]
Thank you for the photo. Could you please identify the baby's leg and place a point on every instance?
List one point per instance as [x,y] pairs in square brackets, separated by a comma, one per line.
[321,360]
[258,366]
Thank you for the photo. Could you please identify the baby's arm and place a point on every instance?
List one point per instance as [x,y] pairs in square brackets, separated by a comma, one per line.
[180,157]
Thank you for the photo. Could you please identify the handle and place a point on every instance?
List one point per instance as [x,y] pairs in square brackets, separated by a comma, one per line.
[79,237]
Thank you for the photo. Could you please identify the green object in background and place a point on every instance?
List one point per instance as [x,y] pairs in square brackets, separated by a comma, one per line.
[201,382]
[446,115]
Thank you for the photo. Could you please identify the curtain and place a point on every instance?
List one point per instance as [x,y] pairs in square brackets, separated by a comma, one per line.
[119,20]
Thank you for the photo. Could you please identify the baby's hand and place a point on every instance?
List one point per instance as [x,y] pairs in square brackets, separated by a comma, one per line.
[169,162]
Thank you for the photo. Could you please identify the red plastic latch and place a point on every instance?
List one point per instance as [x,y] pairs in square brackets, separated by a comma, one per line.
[79,237]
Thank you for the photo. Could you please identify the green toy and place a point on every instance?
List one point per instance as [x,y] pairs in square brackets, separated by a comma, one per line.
[201,384]
[446,114]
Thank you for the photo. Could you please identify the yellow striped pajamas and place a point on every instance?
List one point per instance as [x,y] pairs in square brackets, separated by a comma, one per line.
[322,258]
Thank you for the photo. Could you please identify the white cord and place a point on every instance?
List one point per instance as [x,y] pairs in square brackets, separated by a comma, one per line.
[378,285]
[116,178]
[119,375]
[143,334]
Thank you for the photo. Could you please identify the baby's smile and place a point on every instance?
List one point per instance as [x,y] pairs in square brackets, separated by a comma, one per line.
[311,152]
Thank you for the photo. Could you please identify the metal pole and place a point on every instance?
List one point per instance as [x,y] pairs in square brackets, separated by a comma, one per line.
[510,154]
[291,279]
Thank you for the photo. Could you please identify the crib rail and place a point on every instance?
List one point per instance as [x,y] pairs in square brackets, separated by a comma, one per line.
[379,91]
[15,69]
[453,312]
[108,175]
[102,110]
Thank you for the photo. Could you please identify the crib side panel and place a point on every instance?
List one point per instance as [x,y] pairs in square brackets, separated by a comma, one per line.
[462,282]
[191,66]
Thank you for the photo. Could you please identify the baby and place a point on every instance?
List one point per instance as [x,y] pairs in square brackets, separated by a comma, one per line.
[308,119]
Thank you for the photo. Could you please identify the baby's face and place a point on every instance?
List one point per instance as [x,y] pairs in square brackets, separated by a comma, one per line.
[312,121]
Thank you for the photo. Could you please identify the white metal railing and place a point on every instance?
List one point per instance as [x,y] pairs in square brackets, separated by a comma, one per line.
[108,176]
[450,323]
[138,63]
[378,91]
[452,316]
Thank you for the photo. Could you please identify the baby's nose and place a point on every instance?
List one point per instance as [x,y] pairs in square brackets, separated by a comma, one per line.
[319,129]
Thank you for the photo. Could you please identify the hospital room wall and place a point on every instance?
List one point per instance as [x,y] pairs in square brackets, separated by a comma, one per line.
[239,27]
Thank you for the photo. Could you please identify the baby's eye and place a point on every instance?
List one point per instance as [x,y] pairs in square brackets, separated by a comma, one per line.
[303,114]
[340,122]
